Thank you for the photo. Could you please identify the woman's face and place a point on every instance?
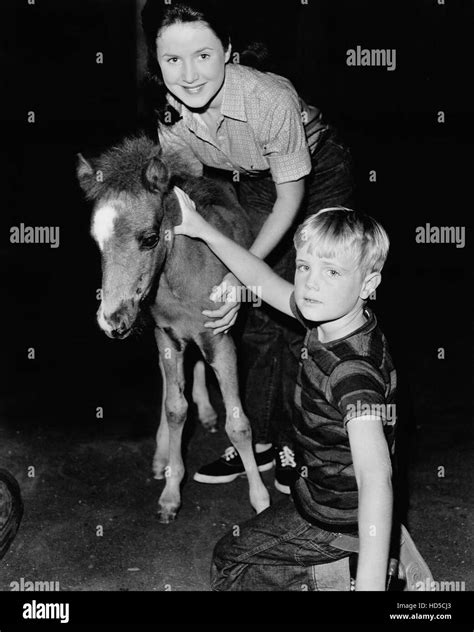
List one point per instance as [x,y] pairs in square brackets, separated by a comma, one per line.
[192,61]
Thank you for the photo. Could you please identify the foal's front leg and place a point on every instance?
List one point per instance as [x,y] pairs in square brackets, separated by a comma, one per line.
[176,407]
[219,352]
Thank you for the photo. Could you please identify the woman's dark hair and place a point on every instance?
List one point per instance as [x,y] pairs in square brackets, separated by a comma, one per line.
[256,55]
[206,11]
[156,15]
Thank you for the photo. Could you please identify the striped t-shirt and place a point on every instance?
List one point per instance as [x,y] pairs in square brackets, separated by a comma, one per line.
[338,381]
[264,128]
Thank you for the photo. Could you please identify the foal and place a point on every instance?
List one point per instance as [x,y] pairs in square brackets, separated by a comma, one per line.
[134,214]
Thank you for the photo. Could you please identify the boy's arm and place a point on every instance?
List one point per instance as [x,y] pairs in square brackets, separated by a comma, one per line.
[249,269]
[373,472]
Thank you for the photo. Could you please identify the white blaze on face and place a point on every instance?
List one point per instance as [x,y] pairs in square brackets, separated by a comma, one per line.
[102,230]
[103,324]
[103,224]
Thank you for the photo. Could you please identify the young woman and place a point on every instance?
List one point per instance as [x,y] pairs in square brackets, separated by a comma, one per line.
[232,119]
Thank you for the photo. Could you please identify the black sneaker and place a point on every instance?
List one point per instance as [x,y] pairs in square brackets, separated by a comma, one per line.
[11,510]
[229,466]
[285,472]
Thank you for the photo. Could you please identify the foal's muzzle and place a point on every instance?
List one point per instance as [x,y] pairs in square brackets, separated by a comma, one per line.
[118,324]
[120,333]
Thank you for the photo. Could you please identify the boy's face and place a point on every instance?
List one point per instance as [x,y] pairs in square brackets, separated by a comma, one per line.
[328,289]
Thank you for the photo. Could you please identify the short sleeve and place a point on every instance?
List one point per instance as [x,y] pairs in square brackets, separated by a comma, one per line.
[356,388]
[285,145]
[171,140]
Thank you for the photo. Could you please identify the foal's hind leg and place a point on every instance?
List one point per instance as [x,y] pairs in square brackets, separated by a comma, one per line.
[219,351]
[162,452]
[206,413]
[171,353]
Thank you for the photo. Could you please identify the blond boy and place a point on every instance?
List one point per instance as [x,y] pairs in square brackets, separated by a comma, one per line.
[342,500]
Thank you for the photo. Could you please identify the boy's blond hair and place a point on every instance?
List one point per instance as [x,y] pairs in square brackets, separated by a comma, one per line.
[339,229]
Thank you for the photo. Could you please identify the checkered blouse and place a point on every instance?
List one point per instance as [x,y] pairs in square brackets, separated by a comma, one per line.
[261,129]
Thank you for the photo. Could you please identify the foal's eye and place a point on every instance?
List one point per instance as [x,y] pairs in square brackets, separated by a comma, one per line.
[149,241]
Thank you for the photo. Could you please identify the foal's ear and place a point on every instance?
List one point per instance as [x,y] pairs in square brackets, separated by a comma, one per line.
[84,170]
[156,176]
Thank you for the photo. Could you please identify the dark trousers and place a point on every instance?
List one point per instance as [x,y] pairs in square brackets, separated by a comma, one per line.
[276,550]
[271,341]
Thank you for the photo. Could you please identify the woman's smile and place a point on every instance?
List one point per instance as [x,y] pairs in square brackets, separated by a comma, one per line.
[194,89]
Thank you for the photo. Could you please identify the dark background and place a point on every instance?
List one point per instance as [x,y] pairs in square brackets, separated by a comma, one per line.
[389,119]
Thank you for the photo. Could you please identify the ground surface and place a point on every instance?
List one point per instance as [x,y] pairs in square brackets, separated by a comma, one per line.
[86,479]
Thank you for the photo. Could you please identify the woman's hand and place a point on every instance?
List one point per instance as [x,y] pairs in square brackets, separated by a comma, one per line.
[226,315]
[193,225]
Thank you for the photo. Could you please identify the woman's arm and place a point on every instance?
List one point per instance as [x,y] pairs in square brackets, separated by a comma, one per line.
[289,198]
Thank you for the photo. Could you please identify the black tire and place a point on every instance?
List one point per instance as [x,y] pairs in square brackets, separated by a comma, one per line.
[11,510]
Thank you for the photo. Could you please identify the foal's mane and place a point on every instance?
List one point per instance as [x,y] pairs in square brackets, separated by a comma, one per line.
[121,170]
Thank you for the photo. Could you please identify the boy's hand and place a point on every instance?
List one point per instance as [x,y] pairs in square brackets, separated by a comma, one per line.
[193,224]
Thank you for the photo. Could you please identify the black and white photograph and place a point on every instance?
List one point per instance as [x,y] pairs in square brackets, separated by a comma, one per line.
[237,327]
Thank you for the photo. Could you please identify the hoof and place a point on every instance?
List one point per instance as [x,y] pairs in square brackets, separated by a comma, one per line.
[261,507]
[209,421]
[159,470]
[166,517]
[262,502]
[210,426]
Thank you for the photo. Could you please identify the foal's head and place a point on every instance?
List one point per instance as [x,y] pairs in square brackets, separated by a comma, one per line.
[134,213]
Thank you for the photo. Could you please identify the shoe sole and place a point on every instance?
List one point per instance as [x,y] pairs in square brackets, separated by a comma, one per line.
[417,573]
[284,489]
[216,480]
